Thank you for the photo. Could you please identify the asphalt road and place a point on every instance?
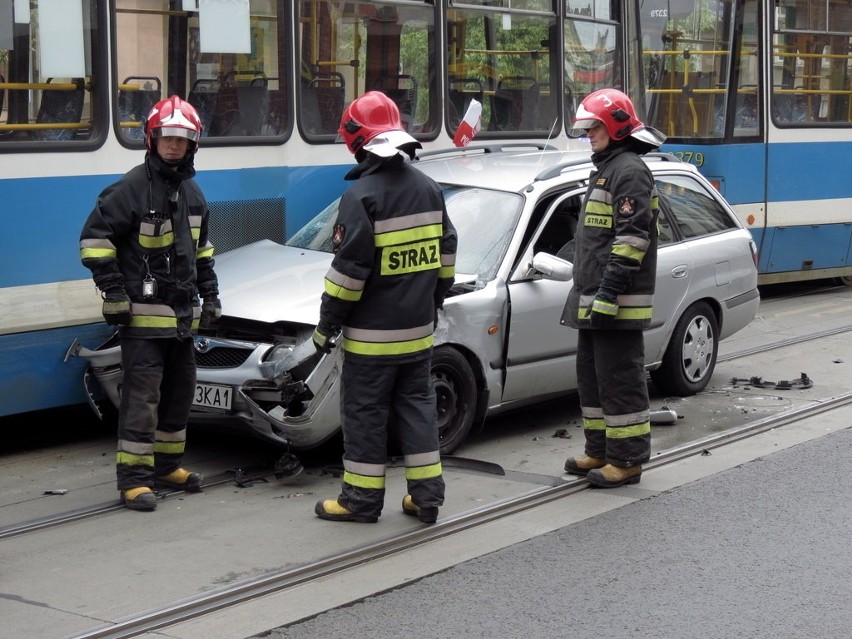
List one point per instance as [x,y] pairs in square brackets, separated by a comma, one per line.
[759,550]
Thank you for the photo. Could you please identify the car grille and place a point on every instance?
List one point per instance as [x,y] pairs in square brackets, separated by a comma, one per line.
[222,357]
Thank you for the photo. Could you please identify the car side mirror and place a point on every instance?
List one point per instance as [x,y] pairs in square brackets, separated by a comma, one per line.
[552,267]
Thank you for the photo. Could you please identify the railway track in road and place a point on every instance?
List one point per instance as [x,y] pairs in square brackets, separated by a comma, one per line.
[231,477]
[100,614]
[276,582]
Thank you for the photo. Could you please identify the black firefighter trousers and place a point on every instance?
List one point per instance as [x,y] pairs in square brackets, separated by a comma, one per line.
[374,400]
[614,395]
[158,386]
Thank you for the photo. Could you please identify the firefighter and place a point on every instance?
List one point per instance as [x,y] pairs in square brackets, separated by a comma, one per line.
[147,247]
[394,261]
[610,302]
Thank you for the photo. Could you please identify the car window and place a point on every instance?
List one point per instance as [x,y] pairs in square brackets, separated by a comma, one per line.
[694,211]
[316,234]
[485,222]
[665,232]
[556,236]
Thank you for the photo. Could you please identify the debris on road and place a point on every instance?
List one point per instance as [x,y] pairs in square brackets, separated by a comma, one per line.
[758,382]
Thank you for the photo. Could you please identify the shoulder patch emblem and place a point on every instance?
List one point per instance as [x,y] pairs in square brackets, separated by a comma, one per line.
[338,235]
[600,182]
[627,206]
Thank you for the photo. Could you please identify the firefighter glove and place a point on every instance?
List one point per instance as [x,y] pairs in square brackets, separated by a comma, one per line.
[605,307]
[211,311]
[323,342]
[116,308]
[603,310]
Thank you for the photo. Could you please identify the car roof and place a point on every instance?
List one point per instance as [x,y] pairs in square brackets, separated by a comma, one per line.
[510,167]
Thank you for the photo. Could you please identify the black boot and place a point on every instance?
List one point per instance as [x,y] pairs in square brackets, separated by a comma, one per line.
[426,514]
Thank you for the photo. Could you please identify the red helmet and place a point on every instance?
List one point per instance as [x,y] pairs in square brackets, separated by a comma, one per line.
[173,117]
[609,107]
[370,116]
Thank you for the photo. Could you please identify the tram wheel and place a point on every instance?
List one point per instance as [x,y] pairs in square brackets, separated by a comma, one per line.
[691,354]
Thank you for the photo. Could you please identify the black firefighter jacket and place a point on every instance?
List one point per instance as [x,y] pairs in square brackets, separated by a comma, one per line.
[394,262]
[153,222]
[617,232]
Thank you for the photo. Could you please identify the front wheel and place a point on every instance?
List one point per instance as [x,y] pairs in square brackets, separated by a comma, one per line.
[455,397]
[691,354]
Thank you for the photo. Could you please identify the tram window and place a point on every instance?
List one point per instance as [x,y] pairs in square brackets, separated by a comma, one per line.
[237,95]
[591,59]
[812,63]
[694,56]
[692,209]
[348,48]
[461,91]
[48,75]
[512,57]
[136,96]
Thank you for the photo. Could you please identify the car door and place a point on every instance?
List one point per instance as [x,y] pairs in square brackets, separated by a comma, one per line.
[540,350]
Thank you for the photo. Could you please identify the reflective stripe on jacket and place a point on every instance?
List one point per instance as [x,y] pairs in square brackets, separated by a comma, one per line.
[617,232]
[158,228]
[394,263]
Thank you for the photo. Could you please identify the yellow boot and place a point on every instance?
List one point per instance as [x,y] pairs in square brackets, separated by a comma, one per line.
[331,510]
[181,479]
[583,464]
[611,476]
[139,498]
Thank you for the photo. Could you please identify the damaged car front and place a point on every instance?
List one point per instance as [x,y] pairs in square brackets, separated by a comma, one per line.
[258,370]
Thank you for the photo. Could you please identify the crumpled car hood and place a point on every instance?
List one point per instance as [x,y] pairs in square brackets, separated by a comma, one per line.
[268,282]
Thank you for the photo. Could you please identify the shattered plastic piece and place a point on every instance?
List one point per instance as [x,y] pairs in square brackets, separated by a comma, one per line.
[288,465]
[562,433]
[802,382]
[663,415]
[55,491]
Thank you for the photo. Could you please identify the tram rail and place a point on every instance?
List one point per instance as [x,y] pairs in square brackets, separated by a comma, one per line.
[230,477]
[274,582]
[100,613]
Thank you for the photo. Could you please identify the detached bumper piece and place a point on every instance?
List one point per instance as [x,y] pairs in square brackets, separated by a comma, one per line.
[758,382]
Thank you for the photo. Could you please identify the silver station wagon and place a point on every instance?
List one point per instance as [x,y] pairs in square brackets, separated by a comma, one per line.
[498,344]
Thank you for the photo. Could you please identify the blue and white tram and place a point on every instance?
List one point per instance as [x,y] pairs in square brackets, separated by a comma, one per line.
[758,94]
[270,79]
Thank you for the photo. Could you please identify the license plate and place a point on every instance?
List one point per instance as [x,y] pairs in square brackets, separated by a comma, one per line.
[213,396]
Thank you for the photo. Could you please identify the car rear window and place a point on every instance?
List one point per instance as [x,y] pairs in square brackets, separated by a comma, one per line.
[693,209]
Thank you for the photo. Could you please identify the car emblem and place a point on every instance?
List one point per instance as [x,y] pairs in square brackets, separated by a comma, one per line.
[202,345]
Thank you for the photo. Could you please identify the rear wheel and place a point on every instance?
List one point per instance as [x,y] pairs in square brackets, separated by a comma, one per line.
[691,355]
[455,397]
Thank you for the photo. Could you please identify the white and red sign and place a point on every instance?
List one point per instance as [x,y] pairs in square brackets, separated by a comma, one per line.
[470,124]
